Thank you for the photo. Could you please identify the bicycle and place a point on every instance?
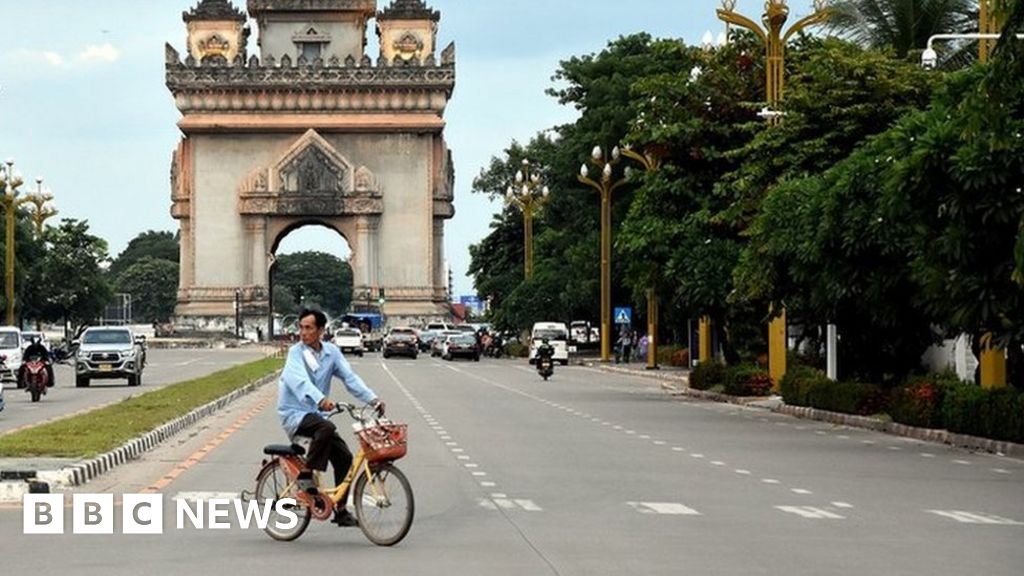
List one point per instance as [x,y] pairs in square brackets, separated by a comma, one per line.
[381,494]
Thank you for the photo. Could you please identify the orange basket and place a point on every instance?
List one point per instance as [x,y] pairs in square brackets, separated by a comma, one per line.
[383,441]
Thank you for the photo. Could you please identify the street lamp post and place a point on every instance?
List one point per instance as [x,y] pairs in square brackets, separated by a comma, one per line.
[774,38]
[650,159]
[605,185]
[528,194]
[11,202]
[43,207]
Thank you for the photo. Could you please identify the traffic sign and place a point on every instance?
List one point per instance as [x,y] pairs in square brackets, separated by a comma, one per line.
[623,315]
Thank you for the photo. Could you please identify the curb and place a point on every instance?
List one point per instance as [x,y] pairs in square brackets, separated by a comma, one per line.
[81,473]
[975,443]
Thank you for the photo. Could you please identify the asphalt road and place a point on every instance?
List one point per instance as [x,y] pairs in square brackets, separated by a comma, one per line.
[589,473]
[163,367]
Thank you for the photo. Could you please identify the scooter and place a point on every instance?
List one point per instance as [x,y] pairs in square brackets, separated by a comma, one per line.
[545,365]
[37,378]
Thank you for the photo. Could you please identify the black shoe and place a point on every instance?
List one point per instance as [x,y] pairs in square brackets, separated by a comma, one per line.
[304,482]
[343,519]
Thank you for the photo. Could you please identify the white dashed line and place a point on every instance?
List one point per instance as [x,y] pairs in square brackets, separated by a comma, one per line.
[962,462]
[800,491]
[743,472]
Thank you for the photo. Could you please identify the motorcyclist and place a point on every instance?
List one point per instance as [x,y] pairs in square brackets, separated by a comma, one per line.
[36,351]
[545,350]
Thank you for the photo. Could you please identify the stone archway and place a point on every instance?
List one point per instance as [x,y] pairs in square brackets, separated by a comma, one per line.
[276,140]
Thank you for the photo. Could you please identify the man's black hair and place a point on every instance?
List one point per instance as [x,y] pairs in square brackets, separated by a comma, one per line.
[318,316]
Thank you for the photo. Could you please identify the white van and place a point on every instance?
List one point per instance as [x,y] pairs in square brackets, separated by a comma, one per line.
[10,347]
[558,338]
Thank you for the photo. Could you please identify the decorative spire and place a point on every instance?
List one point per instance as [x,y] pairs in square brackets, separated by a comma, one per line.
[214,10]
[409,10]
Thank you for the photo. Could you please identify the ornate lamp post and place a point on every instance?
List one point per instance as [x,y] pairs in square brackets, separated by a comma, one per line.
[650,159]
[43,206]
[11,202]
[528,194]
[776,12]
[774,38]
[605,185]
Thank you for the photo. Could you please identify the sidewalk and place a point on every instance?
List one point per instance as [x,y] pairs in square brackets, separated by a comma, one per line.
[676,381]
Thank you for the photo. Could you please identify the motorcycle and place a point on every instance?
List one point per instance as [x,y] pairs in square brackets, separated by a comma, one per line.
[545,364]
[494,347]
[36,378]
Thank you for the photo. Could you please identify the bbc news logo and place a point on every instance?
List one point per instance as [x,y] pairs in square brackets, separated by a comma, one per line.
[144,513]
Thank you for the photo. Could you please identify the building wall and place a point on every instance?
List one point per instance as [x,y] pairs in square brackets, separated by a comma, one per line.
[346,32]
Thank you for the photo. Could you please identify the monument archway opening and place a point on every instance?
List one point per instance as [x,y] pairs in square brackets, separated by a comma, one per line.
[310,268]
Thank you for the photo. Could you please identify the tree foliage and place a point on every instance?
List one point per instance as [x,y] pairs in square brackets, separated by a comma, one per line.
[311,279]
[72,285]
[153,284]
[160,245]
[902,25]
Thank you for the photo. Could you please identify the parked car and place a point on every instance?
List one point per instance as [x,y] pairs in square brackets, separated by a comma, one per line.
[10,348]
[401,341]
[438,343]
[109,352]
[349,340]
[438,326]
[461,346]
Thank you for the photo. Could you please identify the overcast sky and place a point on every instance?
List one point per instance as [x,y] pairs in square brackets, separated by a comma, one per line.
[83,102]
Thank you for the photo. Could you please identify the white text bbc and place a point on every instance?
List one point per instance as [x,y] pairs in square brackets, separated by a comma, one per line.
[144,513]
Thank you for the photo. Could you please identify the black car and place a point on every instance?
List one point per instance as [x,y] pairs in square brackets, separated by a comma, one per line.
[463,345]
[401,344]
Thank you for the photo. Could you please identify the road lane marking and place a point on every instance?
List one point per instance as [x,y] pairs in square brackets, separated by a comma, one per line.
[842,505]
[769,480]
[673,508]
[1000,470]
[962,462]
[801,491]
[811,512]
[966,517]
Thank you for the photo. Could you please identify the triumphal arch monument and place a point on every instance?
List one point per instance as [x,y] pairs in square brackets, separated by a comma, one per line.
[310,129]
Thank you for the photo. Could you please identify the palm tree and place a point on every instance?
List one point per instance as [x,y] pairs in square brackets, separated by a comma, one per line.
[902,25]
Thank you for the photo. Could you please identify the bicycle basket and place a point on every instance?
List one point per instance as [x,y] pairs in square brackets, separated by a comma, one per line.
[383,442]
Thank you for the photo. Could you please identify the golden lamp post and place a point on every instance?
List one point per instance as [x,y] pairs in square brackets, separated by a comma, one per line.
[774,36]
[43,207]
[650,159]
[11,202]
[528,194]
[605,185]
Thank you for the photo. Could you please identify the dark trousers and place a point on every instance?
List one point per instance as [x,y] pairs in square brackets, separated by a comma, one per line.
[326,445]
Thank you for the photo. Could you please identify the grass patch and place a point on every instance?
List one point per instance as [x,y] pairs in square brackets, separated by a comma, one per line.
[104,429]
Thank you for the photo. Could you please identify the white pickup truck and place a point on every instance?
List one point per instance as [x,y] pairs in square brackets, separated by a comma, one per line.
[349,340]
[109,352]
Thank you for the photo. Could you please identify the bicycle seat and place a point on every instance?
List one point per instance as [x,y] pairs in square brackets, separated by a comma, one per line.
[284,450]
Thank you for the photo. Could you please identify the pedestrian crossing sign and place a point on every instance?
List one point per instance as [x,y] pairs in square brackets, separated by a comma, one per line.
[623,315]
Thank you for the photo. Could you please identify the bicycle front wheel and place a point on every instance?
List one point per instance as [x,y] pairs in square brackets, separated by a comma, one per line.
[272,485]
[384,504]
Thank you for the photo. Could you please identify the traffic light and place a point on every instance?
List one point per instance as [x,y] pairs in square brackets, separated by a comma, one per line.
[380,295]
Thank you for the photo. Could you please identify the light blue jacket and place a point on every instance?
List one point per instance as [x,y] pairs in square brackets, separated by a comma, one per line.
[301,388]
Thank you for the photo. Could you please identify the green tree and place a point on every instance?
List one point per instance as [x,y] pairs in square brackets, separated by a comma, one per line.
[567,229]
[902,25]
[72,285]
[151,244]
[312,279]
[153,284]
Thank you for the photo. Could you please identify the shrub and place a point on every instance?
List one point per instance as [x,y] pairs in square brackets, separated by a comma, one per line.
[847,397]
[747,380]
[517,350]
[707,375]
[671,355]
[997,414]
[919,401]
[797,383]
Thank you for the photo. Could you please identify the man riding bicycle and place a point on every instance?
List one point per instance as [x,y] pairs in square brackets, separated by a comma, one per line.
[303,397]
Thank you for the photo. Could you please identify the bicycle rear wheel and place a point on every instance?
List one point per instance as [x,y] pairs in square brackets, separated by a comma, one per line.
[273,484]
[384,504]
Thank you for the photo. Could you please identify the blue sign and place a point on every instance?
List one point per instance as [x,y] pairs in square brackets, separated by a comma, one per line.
[472,303]
[623,316]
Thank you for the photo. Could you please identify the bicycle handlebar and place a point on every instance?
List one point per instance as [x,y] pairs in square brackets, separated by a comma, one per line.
[357,414]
